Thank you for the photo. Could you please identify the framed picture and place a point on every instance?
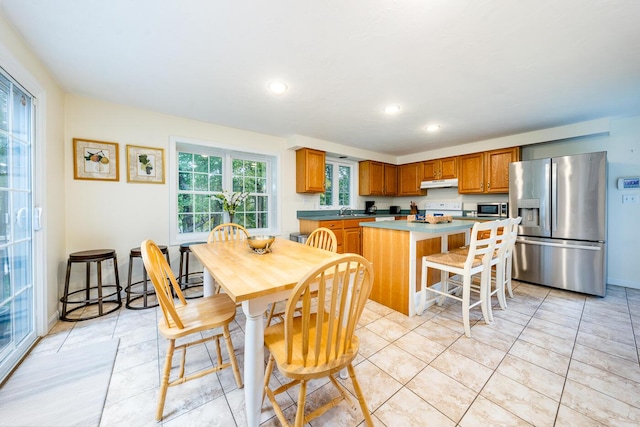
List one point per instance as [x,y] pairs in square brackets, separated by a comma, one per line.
[145,164]
[95,160]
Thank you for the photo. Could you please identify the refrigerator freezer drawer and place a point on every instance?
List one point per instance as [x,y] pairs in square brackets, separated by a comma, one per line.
[565,264]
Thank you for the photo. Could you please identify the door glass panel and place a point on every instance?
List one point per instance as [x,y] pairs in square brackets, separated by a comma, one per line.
[17,314]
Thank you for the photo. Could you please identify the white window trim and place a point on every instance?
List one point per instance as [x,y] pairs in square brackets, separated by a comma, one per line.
[353,184]
[176,238]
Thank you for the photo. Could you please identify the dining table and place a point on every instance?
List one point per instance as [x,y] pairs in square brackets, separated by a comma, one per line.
[255,281]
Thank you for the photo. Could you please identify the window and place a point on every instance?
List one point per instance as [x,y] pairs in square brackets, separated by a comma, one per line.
[338,184]
[203,172]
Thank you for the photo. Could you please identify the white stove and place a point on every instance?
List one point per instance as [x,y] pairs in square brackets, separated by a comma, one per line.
[452,208]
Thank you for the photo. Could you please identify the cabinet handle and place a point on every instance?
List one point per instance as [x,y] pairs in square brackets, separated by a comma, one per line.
[481,186]
[489,185]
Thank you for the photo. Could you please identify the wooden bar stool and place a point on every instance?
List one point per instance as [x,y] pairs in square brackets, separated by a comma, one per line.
[140,294]
[91,295]
[185,282]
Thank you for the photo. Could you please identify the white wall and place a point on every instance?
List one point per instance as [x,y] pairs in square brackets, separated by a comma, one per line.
[18,60]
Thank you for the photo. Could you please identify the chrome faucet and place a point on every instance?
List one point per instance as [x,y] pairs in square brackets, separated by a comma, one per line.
[344,210]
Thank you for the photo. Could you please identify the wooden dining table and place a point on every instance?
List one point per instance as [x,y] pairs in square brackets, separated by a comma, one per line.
[256,281]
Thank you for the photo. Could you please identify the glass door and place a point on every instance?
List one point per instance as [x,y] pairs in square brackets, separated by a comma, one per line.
[17,305]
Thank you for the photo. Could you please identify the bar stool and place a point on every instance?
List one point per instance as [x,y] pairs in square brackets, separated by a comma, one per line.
[91,295]
[141,289]
[183,275]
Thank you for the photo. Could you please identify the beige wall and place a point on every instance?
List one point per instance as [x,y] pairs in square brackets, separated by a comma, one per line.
[17,59]
[119,214]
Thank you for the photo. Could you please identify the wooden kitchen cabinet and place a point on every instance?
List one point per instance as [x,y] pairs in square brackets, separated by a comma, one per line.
[372,177]
[390,180]
[486,172]
[409,178]
[348,232]
[377,179]
[446,168]
[310,171]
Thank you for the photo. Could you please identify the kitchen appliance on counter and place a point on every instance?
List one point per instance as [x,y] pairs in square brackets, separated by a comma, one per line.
[562,238]
[443,208]
[493,209]
[394,210]
[370,208]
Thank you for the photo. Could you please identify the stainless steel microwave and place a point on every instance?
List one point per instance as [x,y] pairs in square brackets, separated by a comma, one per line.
[493,209]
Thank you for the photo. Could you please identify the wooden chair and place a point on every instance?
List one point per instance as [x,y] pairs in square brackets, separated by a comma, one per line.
[182,320]
[321,238]
[224,232]
[307,346]
[228,231]
[476,261]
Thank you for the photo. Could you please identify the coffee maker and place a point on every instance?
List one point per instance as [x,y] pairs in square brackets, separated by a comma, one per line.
[370,208]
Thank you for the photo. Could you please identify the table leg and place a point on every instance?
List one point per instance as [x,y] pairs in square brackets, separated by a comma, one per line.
[208,285]
[254,359]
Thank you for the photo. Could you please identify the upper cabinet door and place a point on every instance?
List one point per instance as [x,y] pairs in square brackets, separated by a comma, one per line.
[310,171]
[471,173]
[390,180]
[372,177]
[448,168]
[497,169]
[409,179]
[431,168]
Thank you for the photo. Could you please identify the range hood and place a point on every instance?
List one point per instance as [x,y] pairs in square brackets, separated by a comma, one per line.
[440,183]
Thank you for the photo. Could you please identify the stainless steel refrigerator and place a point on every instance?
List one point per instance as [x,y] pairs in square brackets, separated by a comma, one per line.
[562,237]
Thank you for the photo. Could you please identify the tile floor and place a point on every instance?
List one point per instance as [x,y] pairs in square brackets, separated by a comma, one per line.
[553,358]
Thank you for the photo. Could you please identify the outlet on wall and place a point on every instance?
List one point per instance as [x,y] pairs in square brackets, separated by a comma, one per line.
[629,198]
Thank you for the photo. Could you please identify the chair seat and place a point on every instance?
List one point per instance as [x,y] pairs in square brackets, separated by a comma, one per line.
[274,341]
[452,259]
[200,315]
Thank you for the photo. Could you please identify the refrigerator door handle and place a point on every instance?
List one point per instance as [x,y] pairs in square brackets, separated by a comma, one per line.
[554,194]
[558,245]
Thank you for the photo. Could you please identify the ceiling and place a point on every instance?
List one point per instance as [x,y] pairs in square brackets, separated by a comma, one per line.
[480,69]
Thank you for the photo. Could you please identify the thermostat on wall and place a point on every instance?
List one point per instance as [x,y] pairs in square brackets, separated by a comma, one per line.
[632,183]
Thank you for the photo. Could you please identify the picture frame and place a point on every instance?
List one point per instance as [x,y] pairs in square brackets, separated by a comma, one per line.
[95,160]
[145,164]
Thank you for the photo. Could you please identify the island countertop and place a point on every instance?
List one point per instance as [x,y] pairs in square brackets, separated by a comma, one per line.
[443,227]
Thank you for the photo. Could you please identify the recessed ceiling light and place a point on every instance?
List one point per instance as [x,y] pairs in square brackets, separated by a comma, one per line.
[432,128]
[392,109]
[278,87]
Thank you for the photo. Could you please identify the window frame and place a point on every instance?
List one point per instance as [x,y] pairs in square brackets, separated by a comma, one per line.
[352,183]
[228,153]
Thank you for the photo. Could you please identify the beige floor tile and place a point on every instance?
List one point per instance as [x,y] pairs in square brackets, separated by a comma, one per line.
[567,417]
[136,411]
[621,335]
[464,370]
[438,333]
[370,342]
[442,392]
[377,386]
[512,315]
[378,308]
[599,406]
[396,362]
[609,346]
[387,329]
[406,409]
[484,412]
[542,357]
[532,376]
[558,307]
[553,316]
[368,316]
[420,346]
[623,389]
[492,337]
[520,400]
[608,362]
[478,351]
[215,413]
[504,325]
[406,321]
[564,332]
[547,341]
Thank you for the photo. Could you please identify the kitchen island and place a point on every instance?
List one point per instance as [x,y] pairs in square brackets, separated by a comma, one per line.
[396,248]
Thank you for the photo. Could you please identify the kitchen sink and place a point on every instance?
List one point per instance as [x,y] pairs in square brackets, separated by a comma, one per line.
[355,215]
